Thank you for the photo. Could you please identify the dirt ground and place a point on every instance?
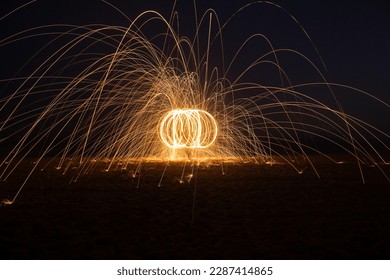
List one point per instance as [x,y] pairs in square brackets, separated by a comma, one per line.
[253,211]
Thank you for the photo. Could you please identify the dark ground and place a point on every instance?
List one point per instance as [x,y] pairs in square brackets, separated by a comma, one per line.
[252,212]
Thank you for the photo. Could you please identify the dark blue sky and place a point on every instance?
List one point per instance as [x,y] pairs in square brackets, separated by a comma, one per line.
[352,37]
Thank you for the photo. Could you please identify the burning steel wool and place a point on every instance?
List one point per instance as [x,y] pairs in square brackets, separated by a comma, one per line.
[188,128]
[126,93]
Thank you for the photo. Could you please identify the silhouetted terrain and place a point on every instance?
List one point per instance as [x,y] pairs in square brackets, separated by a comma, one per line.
[251,212]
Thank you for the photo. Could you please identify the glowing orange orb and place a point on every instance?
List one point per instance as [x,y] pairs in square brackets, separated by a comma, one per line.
[188,128]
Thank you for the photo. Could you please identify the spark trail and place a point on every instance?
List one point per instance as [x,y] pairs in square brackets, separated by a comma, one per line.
[122,93]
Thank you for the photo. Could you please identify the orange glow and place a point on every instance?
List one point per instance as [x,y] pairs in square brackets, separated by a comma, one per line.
[188,128]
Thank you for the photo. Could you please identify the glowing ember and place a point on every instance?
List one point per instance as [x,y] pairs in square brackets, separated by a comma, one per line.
[188,128]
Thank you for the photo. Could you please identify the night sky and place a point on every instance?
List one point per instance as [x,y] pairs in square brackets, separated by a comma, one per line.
[352,37]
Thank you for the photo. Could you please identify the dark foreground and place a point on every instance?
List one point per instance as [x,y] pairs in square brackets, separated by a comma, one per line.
[251,212]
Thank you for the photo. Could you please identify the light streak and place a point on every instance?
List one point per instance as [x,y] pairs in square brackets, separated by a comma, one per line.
[162,97]
[188,128]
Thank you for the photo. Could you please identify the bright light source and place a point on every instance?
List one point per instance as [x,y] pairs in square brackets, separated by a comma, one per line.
[188,128]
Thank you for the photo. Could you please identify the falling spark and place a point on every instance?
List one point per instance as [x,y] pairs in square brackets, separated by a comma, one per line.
[145,99]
